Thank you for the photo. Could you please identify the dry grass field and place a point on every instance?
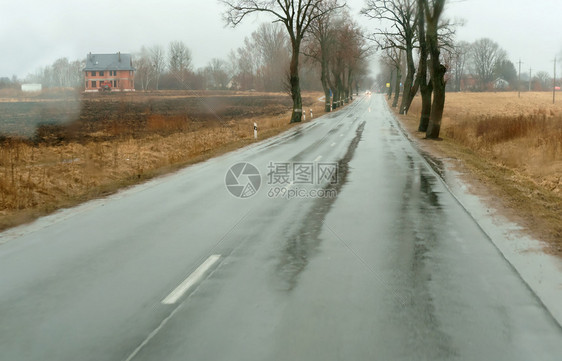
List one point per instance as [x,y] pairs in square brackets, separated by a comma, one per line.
[117,142]
[513,145]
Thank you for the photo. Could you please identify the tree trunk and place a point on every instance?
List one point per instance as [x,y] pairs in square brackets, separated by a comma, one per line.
[338,91]
[390,82]
[341,91]
[397,87]
[425,88]
[325,86]
[410,69]
[294,81]
[350,85]
[438,104]
[438,82]
[413,93]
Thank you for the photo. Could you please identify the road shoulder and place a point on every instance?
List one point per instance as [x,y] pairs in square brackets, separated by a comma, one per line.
[538,265]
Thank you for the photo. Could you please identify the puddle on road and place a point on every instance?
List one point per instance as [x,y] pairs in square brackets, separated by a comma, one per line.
[301,245]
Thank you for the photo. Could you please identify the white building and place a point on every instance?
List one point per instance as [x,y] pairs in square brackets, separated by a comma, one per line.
[31,87]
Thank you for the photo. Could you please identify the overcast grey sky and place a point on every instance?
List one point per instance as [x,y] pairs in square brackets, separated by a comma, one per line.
[34,33]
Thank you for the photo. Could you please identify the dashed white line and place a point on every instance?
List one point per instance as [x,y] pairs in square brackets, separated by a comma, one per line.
[341,135]
[173,297]
[191,280]
[317,158]
[331,145]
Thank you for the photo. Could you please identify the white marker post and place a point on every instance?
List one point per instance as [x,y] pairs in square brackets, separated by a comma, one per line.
[255,131]
[311,116]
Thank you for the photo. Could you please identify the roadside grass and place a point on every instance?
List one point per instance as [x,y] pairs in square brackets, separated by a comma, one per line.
[39,177]
[512,145]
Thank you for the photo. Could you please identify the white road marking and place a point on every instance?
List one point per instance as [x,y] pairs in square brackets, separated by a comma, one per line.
[317,158]
[341,135]
[332,144]
[152,334]
[191,280]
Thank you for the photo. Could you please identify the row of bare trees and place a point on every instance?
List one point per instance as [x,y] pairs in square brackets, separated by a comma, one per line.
[483,65]
[61,74]
[262,62]
[338,45]
[319,29]
[415,27]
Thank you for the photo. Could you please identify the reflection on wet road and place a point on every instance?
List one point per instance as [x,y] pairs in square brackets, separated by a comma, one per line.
[392,268]
[302,244]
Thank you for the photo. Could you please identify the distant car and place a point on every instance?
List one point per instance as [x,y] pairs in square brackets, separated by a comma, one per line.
[368,92]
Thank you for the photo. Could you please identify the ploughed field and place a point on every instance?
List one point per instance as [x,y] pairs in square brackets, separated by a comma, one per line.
[102,116]
[62,149]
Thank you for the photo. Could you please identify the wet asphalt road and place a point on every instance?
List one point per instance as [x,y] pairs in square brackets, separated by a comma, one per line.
[392,268]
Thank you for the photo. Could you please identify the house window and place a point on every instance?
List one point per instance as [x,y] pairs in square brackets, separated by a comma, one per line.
[101,73]
[93,83]
[93,73]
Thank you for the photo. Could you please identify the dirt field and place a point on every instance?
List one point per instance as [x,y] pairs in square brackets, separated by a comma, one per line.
[71,150]
[513,146]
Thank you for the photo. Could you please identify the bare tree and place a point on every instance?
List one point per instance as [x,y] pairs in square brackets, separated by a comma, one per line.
[459,53]
[392,57]
[544,79]
[297,17]
[403,17]
[62,73]
[426,88]
[144,73]
[320,47]
[217,74]
[385,77]
[247,64]
[354,53]
[433,9]
[157,58]
[485,55]
[179,62]
[346,58]
[272,45]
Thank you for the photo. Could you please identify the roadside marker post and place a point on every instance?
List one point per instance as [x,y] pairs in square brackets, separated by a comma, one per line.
[311,116]
[255,131]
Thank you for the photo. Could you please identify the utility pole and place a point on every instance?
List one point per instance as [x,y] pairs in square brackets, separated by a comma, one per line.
[519,80]
[554,83]
[530,77]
